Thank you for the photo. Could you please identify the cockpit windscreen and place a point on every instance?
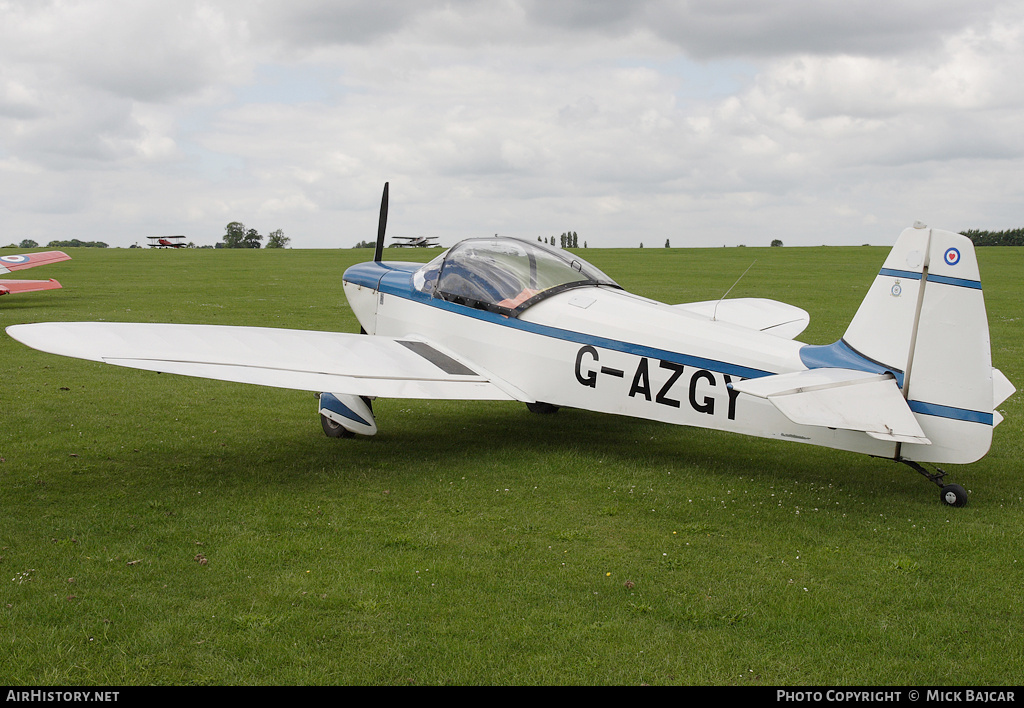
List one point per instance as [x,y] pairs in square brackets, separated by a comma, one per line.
[504,275]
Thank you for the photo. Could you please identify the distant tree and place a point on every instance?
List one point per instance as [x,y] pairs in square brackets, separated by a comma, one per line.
[584,244]
[777,242]
[666,244]
[234,235]
[252,239]
[277,239]
[641,244]
[28,243]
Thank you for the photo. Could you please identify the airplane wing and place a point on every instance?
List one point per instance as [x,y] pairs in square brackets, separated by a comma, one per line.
[841,398]
[356,364]
[769,316]
[9,264]
[27,286]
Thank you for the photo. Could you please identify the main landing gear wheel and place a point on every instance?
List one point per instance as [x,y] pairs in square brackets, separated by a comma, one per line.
[334,430]
[954,495]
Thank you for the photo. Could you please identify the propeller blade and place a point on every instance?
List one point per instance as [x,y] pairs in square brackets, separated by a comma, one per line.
[379,252]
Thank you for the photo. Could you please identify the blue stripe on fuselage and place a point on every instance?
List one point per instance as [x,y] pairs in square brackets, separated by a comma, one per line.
[396,279]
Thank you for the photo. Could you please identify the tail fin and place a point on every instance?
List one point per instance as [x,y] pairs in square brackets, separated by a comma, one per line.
[924,320]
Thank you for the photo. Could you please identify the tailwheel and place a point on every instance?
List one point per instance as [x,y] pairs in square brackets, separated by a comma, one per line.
[950,494]
[542,408]
[954,495]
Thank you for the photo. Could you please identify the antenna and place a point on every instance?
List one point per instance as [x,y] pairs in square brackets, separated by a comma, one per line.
[714,313]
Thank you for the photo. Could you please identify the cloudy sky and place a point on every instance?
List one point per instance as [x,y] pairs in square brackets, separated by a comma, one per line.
[706,122]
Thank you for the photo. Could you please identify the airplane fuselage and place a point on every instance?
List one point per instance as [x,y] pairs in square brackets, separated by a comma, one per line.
[602,349]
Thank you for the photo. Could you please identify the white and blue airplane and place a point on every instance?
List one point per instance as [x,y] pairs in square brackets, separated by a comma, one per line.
[504,319]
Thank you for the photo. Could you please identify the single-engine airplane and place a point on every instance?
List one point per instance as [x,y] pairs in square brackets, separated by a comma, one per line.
[505,319]
[29,260]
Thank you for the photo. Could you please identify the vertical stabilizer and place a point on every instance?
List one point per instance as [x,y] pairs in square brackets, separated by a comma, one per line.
[924,319]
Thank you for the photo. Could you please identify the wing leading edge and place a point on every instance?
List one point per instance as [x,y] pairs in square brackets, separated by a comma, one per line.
[9,264]
[298,359]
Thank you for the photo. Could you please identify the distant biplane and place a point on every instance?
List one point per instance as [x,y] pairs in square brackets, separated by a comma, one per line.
[29,260]
[166,242]
[416,242]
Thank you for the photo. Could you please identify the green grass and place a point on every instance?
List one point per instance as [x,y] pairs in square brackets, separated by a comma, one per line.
[164,530]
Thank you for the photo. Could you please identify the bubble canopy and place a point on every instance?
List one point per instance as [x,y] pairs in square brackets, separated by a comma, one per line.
[504,275]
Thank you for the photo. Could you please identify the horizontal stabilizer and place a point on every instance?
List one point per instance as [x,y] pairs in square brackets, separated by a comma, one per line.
[1001,387]
[768,316]
[841,398]
[355,364]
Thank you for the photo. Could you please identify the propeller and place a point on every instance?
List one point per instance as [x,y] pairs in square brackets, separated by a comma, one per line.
[382,225]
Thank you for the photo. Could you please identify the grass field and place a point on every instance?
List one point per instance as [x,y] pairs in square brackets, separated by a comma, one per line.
[157,529]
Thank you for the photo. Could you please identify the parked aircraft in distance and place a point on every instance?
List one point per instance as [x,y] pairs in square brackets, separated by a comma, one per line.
[166,242]
[416,242]
[29,260]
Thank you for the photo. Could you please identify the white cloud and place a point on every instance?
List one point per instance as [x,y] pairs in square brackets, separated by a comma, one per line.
[704,122]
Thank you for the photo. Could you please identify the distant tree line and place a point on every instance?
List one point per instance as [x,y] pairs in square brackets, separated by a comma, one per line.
[1013,237]
[568,239]
[75,243]
[237,236]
